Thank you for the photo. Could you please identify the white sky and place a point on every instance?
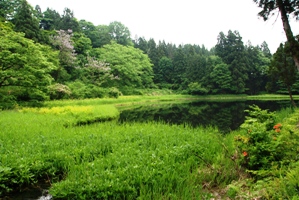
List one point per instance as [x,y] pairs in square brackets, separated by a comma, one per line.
[179,22]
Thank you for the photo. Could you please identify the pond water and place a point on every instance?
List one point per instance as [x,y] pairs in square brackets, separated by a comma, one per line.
[225,116]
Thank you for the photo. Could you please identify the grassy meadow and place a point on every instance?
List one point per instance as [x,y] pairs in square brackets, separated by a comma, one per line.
[60,144]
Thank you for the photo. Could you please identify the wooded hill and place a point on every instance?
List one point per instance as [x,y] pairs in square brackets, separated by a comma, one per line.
[47,55]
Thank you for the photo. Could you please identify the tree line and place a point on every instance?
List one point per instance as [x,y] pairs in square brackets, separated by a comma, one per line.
[47,55]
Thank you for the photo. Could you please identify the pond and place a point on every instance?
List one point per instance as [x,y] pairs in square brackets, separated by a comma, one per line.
[225,116]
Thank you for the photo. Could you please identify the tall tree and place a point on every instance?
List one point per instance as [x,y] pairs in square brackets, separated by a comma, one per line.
[68,21]
[283,66]
[232,51]
[141,44]
[130,65]
[92,33]
[120,33]
[25,66]
[104,34]
[25,21]
[179,69]
[265,49]
[50,20]
[258,64]
[286,8]
[8,8]
[62,42]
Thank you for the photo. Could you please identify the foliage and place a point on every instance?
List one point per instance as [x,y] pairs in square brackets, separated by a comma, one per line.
[25,21]
[114,92]
[196,89]
[120,33]
[286,8]
[67,57]
[25,66]
[59,91]
[232,51]
[81,90]
[283,68]
[149,161]
[270,153]
[256,146]
[97,72]
[130,65]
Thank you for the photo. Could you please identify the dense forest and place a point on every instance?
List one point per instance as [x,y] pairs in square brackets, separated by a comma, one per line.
[49,55]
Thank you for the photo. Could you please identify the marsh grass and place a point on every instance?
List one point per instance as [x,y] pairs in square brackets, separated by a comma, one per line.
[109,160]
[78,115]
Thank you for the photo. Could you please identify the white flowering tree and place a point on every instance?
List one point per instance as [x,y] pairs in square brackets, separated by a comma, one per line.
[67,56]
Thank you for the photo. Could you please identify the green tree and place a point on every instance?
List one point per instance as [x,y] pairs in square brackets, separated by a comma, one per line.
[221,79]
[120,33]
[91,31]
[8,8]
[68,21]
[129,65]
[67,57]
[265,49]
[164,75]
[284,68]
[179,67]
[141,44]
[50,20]
[104,34]
[25,67]
[97,72]
[286,8]
[25,21]
[258,65]
[232,51]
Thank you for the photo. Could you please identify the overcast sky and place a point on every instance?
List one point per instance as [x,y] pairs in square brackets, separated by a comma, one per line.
[179,22]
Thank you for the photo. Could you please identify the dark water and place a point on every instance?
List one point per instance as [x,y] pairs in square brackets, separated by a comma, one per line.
[225,116]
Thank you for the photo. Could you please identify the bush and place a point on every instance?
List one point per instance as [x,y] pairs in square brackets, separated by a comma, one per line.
[59,91]
[114,92]
[196,89]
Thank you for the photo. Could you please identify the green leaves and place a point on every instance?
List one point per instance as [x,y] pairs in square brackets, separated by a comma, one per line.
[25,66]
[130,65]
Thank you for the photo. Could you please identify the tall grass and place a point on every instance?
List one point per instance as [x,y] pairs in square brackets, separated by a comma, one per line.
[108,160]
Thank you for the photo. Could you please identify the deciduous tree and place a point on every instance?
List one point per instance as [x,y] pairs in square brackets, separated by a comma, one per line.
[25,66]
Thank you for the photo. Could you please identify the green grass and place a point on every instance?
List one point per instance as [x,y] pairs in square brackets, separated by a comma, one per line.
[119,161]
[108,160]
[138,99]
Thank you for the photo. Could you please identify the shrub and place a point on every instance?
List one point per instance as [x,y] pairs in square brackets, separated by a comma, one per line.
[59,91]
[114,92]
[196,89]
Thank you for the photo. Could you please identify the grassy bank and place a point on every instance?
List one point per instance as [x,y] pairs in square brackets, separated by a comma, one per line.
[125,100]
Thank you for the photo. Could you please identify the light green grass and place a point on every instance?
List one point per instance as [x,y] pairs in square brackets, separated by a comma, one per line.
[138,99]
[108,160]
[112,161]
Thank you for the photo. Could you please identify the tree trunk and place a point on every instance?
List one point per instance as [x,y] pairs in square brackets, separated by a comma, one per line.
[291,96]
[288,31]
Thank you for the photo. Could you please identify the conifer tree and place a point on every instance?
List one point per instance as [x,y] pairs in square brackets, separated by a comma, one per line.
[25,21]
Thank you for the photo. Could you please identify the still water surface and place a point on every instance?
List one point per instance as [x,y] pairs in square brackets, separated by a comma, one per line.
[225,116]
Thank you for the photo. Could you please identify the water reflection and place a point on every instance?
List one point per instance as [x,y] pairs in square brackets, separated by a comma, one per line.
[225,116]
